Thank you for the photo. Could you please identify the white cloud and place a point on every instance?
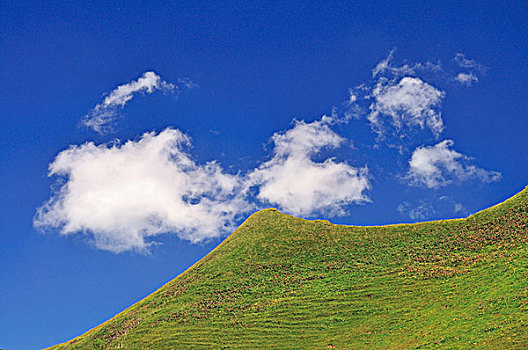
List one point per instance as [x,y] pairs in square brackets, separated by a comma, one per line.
[409,102]
[466,79]
[439,165]
[123,194]
[300,186]
[104,114]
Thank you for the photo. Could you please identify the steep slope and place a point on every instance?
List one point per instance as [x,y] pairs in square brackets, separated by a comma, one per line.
[288,283]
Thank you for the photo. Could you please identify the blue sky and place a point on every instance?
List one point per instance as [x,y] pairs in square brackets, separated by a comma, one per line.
[163,126]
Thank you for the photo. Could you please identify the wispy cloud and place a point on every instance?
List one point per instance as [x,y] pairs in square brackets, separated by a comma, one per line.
[431,208]
[292,180]
[385,66]
[421,211]
[188,83]
[463,62]
[439,165]
[122,195]
[103,115]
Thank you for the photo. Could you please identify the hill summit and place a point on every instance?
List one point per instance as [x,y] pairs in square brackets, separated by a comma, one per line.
[287,283]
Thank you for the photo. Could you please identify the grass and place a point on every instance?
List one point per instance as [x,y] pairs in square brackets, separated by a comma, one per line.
[280,282]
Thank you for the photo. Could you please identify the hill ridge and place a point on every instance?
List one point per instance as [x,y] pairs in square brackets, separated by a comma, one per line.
[320,281]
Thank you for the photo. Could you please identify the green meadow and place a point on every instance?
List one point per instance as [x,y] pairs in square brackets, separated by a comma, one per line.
[280,282]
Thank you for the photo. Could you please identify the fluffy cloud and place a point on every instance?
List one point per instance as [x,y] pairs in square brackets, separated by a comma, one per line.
[104,114]
[439,165]
[466,79]
[300,186]
[123,194]
[409,102]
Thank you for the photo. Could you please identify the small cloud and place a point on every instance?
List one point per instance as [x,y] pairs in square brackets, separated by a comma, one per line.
[102,116]
[471,70]
[352,97]
[301,186]
[354,108]
[398,100]
[123,195]
[409,102]
[439,165]
[419,212]
[459,208]
[451,206]
[463,62]
[466,79]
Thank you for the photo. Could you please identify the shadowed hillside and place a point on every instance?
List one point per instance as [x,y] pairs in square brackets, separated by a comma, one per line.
[287,283]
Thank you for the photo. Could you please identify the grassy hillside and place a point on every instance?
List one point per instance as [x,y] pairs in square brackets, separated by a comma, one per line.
[288,283]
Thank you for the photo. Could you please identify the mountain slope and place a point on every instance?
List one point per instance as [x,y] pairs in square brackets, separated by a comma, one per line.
[284,282]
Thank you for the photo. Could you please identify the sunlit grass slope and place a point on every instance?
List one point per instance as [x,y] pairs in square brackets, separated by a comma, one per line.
[287,283]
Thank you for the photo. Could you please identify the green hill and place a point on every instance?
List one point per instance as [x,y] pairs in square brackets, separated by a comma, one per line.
[287,283]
